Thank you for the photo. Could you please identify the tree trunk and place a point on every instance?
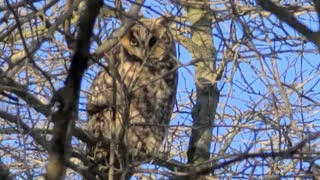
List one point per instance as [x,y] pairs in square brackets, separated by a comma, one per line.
[207,93]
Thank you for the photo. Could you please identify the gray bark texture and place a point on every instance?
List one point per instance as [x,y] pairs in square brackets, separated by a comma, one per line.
[207,93]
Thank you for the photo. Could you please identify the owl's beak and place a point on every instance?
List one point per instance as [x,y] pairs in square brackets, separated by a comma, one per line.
[145,54]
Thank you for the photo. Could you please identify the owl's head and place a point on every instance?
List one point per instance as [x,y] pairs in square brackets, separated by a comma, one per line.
[149,39]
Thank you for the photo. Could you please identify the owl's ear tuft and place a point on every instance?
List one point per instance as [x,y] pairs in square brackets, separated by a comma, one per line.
[123,17]
[165,20]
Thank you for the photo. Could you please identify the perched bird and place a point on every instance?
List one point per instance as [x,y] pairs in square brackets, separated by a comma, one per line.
[131,101]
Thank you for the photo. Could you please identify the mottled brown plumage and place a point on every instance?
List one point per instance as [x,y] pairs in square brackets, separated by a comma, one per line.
[131,103]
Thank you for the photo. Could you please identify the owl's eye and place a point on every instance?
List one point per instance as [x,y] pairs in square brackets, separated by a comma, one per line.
[152,41]
[134,42]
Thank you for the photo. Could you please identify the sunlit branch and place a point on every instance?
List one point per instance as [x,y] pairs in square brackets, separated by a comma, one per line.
[21,91]
[288,153]
[68,96]
[114,38]
[285,15]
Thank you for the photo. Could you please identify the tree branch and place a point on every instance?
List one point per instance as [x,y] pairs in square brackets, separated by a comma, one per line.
[317,5]
[284,15]
[283,154]
[26,129]
[67,98]
[115,37]
[21,91]
[4,172]
[204,111]
[39,136]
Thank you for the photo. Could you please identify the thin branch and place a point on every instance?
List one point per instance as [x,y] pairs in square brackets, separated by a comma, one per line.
[282,154]
[81,134]
[114,38]
[39,136]
[26,129]
[34,45]
[21,91]
[285,15]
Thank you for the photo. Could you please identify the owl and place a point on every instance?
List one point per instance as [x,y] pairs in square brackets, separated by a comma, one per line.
[131,101]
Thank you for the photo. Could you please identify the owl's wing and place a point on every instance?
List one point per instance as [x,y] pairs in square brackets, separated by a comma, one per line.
[102,94]
[100,102]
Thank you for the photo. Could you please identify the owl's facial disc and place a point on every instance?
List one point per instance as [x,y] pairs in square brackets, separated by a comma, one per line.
[143,49]
[134,42]
[147,42]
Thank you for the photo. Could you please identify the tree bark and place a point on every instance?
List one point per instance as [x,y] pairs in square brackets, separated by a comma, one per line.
[67,98]
[207,93]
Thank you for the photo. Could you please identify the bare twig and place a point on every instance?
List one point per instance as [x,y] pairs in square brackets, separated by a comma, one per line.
[114,38]
[285,15]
